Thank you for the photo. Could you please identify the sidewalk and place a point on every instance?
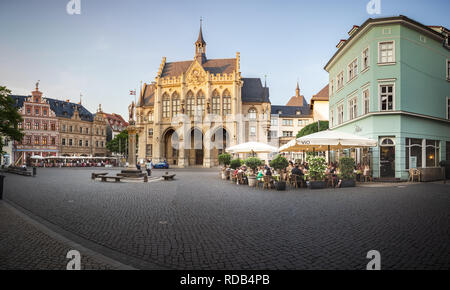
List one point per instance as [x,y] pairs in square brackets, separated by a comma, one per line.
[26,245]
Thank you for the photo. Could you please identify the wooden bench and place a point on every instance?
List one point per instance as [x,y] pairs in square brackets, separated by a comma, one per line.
[105,178]
[18,171]
[95,175]
[168,176]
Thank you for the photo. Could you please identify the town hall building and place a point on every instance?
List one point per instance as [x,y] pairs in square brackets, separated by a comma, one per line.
[196,108]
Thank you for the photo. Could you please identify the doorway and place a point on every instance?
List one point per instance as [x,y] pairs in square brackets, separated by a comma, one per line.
[387,158]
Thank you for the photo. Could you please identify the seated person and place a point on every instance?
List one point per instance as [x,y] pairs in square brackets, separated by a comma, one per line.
[297,171]
[268,171]
[260,174]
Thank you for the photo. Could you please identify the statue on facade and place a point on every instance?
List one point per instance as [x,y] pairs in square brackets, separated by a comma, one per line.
[131,111]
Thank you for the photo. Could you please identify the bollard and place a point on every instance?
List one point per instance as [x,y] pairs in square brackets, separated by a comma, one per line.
[2,177]
[34,171]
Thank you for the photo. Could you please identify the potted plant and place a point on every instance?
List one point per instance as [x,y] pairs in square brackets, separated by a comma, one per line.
[253,163]
[347,175]
[280,163]
[224,159]
[316,172]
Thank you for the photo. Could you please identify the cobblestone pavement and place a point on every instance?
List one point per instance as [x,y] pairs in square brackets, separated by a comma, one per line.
[199,221]
[25,247]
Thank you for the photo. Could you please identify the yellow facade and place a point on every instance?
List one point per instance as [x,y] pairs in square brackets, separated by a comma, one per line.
[194,109]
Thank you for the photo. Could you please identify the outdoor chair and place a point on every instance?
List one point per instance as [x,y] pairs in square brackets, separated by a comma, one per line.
[267,182]
[297,180]
[258,182]
[233,177]
[330,180]
[368,178]
[413,174]
[240,178]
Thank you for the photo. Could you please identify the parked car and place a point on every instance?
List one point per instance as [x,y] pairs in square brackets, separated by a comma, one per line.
[161,165]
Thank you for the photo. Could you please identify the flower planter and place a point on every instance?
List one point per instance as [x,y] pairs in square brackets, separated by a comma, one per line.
[252,181]
[317,184]
[348,183]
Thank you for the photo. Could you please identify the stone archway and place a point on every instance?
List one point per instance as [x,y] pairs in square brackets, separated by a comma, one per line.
[195,152]
[170,146]
[220,140]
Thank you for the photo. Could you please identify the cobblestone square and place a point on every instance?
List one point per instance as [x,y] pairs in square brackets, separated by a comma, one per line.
[199,221]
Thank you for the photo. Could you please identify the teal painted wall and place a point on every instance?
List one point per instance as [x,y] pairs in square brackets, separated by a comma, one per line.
[420,86]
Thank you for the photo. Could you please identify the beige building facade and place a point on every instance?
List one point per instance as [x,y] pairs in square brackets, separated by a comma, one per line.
[81,133]
[195,109]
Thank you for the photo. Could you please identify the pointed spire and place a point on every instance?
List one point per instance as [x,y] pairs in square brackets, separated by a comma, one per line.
[200,46]
[200,34]
[297,90]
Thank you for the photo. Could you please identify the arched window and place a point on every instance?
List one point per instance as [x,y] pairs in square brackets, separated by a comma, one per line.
[226,102]
[215,103]
[150,116]
[175,104]
[166,105]
[190,103]
[200,103]
[387,142]
[252,114]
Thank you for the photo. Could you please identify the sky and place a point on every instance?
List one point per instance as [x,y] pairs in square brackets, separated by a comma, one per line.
[112,45]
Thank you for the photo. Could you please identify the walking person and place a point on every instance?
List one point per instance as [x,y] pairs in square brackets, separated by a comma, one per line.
[149,167]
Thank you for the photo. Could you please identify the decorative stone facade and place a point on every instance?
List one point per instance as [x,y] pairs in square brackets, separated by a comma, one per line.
[195,109]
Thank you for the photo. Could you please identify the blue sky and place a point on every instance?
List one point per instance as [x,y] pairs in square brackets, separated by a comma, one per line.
[113,45]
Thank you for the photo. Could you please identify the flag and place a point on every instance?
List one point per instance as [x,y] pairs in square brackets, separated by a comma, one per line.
[132,92]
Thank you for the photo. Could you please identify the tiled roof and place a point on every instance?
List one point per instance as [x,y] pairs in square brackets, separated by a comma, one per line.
[148,95]
[66,109]
[297,101]
[18,100]
[61,108]
[323,95]
[214,66]
[115,117]
[290,111]
[253,91]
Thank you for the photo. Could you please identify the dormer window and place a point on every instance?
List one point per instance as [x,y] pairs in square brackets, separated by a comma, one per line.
[298,112]
[280,112]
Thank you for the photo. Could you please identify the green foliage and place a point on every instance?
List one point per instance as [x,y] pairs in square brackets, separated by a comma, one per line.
[312,128]
[119,144]
[253,162]
[9,118]
[279,163]
[317,167]
[346,168]
[224,159]
[235,163]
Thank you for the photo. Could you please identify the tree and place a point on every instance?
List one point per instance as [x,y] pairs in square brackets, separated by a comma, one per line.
[279,163]
[119,144]
[312,128]
[253,162]
[9,118]
[225,159]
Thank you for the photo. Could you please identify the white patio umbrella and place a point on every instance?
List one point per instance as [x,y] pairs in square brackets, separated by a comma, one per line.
[37,157]
[327,140]
[251,147]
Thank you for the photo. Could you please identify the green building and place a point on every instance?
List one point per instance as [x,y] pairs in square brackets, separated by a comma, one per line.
[390,81]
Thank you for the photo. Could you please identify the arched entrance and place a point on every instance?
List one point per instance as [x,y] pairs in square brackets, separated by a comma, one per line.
[170,150]
[387,157]
[196,148]
[220,140]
